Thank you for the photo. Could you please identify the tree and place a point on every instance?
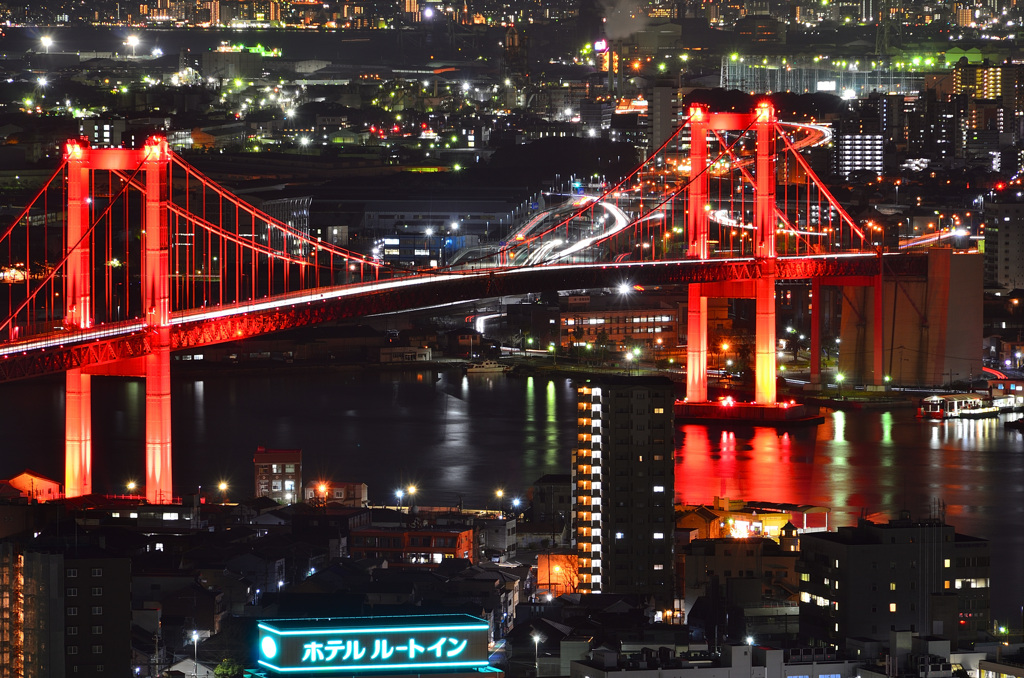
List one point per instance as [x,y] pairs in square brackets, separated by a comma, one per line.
[229,668]
[602,343]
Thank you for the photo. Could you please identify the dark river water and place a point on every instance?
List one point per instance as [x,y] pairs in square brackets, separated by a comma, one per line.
[464,437]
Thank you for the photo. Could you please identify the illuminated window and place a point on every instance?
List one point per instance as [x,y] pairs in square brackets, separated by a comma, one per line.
[659,488]
[892,586]
[659,535]
[945,563]
[892,607]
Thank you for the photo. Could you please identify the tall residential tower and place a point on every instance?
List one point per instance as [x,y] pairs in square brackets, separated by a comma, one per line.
[623,486]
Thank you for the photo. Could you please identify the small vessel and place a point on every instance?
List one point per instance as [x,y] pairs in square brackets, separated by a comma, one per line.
[957,406]
[487,367]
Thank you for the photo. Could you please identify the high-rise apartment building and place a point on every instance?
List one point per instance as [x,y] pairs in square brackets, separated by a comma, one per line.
[1004,243]
[65,611]
[855,152]
[623,486]
[904,575]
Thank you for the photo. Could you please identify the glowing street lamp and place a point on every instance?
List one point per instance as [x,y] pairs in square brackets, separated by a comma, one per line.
[223,487]
[133,42]
[131,486]
[536,650]
[47,42]
[398,495]
[195,645]
[412,494]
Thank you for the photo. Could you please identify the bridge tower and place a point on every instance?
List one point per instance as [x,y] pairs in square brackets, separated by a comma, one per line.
[153,162]
[762,288]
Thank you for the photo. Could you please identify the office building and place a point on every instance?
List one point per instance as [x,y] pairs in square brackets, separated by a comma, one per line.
[623,481]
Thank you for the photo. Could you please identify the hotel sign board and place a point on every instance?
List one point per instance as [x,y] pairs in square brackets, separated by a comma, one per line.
[373,644]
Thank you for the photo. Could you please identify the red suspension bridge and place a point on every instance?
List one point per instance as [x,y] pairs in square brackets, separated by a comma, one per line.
[125,255]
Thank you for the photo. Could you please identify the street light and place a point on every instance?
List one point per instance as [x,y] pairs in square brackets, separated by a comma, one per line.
[223,487]
[839,383]
[131,486]
[536,650]
[47,42]
[133,42]
[195,645]
[399,494]
[412,494]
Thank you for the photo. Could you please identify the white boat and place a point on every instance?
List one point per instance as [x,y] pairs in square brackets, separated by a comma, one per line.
[487,367]
[957,406]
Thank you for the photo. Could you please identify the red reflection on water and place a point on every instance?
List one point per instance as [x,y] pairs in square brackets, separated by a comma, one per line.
[755,468]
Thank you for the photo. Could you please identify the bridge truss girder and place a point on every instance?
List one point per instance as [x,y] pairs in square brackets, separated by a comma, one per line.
[188,335]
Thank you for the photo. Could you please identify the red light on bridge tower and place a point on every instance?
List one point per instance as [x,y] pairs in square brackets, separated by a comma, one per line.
[764,239]
[763,122]
[154,161]
[157,301]
[78,313]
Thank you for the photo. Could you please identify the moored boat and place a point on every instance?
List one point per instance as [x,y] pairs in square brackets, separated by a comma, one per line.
[487,367]
[957,406]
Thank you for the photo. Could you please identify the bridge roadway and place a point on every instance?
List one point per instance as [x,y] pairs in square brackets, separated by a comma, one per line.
[60,351]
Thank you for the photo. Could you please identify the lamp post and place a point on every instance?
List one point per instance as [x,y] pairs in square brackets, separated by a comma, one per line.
[536,652]
[133,42]
[839,384]
[195,657]
[47,41]
[399,494]
[412,495]
[499,494]
[223,487]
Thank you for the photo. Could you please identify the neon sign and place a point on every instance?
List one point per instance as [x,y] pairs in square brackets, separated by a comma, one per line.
[373,643]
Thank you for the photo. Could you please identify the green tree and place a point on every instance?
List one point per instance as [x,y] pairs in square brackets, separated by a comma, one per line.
[229,668]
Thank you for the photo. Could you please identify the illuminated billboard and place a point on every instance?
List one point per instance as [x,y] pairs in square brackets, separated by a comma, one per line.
[374,644]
